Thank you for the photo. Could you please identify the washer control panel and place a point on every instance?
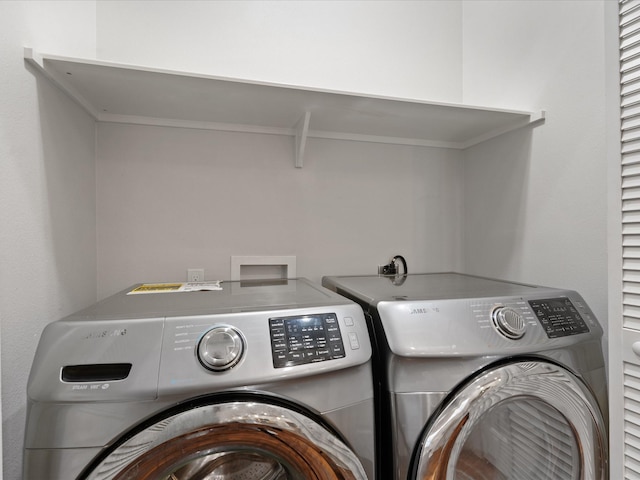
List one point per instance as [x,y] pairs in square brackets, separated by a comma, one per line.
[558,317]
[299,340]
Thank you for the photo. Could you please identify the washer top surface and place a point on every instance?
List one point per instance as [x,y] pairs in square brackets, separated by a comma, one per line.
[427,286]
[235,296]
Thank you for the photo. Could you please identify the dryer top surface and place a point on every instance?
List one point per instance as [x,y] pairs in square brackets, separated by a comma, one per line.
[427,286]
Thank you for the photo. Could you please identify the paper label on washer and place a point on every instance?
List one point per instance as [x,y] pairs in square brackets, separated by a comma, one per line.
[176,287]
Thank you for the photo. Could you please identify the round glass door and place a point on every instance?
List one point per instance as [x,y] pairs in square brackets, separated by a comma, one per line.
[526,420]
[232,441]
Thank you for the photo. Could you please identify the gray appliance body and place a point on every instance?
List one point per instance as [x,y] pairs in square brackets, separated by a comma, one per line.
[268,381]
[481,378]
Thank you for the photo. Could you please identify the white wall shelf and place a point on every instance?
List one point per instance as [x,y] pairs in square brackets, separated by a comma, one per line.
[120,93]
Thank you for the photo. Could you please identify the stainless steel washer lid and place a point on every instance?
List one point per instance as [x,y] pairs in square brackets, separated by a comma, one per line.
[234,297]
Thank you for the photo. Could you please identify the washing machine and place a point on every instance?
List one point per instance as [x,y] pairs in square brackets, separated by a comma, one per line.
[484,379]
[257,381]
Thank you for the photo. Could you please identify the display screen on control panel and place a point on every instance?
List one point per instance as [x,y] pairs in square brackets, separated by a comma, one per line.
[305,339]
[558,317]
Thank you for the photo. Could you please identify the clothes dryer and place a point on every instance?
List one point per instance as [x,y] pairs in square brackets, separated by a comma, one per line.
[256,381]
[484,379]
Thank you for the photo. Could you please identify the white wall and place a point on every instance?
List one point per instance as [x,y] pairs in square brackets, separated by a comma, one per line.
[524,54]
[47,197]
[536,208]
[238,194]
[170,199]
[398,48]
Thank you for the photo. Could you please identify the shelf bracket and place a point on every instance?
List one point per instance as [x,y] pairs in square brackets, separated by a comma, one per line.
[302,132]
[38,62]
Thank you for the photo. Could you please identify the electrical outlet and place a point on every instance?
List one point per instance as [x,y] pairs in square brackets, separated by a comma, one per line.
[195,274]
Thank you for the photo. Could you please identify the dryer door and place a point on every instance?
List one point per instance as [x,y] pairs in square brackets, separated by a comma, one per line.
[524,420]
[232,440]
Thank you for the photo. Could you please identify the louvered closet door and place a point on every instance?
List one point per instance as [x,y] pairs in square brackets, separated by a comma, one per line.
[630,103]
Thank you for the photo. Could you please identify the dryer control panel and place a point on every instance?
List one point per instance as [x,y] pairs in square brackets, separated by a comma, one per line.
[299,340]
[485,325]
[558,317]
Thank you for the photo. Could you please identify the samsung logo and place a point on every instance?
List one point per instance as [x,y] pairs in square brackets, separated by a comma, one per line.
[119,332]
[417,311]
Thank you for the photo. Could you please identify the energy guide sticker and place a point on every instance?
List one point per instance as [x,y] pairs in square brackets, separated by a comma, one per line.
[175,287]
[156,288]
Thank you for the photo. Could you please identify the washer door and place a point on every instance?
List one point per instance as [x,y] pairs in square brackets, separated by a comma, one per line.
[233,440]
[524,420]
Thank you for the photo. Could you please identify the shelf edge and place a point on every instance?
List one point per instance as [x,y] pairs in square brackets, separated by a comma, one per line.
[116,65]
[193,124]
[534,119]
[322,134]
[289,132]
[300,131]
[359,137]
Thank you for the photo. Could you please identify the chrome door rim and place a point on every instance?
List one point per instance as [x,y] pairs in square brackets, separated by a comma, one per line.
[440,443]
[263,419]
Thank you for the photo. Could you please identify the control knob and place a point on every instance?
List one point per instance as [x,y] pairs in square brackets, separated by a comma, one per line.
[221,348]
[508,322]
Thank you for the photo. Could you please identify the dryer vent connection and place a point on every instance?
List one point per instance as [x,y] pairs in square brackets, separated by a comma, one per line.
[392,268]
